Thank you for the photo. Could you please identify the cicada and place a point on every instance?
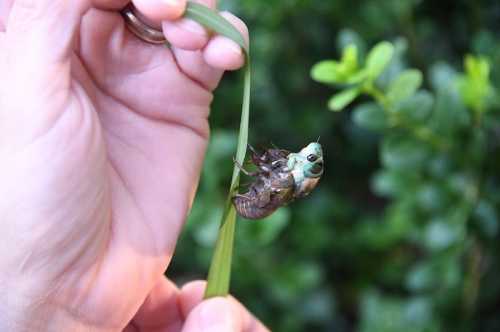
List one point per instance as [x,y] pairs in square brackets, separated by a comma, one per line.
[282,177]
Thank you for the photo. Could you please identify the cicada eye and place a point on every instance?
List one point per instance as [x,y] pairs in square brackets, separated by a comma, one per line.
[312,158]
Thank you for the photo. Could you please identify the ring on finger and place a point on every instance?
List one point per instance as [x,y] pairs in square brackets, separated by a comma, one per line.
[141,29]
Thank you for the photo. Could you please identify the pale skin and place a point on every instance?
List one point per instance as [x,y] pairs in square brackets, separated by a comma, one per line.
[102,139]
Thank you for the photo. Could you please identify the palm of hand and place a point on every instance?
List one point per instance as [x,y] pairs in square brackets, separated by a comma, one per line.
[123,144]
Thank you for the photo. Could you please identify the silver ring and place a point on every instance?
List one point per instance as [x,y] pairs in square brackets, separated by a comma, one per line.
[141,29]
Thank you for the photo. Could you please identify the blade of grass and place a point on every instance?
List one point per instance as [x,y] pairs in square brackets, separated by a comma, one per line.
[219,274]
[214,21]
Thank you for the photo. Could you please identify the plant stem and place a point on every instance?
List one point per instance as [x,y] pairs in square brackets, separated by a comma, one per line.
[377,94]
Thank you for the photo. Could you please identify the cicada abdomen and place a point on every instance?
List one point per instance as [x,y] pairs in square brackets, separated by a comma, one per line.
[265,195]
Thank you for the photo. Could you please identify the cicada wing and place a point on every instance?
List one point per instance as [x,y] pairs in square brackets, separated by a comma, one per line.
[283,186]
[268,156]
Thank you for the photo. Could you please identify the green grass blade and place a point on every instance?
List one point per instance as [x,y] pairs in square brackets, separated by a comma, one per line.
[212,20]
[220,269]
[219,274]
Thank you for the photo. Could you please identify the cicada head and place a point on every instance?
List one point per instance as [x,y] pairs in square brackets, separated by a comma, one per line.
[308,169]
[313,160]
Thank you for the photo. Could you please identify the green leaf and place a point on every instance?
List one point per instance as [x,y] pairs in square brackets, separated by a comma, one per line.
[220,269]
[395,65]
[486,217]
[340,100]
[440,234]
[331,71]
[449,114]
[430,197]
[348,37]
[417,108]
[390,183]
[378,58]
[477,67]
[421,277]
[357,77]
[370,116]
[327,71]
[475,86]
[381,312]
[404,154]
[404,86]
[349,59]
[442,75]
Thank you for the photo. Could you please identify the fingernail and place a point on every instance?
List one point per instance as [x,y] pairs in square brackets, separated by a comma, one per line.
[231,45]
[175,8]
[216,316]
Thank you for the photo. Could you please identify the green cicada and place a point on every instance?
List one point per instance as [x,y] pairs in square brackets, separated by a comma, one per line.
[282,176]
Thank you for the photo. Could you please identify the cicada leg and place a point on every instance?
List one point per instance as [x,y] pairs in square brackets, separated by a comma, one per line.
[242,196]
[257,158]
[251,148]
[244,185]
[243,169]
[265,168]
[280,163]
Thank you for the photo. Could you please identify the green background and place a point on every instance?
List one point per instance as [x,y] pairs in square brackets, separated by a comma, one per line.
[398,236]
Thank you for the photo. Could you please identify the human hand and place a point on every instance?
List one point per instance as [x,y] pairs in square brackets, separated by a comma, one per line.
[168,309]
[102,138]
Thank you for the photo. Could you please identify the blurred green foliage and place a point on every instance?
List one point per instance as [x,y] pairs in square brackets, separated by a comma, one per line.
[402,234]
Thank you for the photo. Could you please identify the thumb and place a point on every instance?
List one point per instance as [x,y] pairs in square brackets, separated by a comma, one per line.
[213,315]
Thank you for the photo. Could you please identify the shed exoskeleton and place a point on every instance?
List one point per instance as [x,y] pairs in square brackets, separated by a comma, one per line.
[281,177]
